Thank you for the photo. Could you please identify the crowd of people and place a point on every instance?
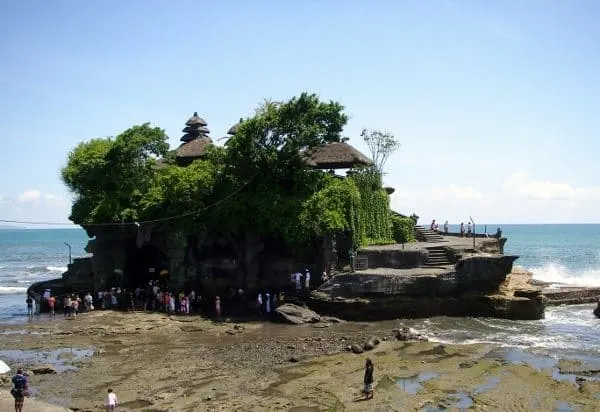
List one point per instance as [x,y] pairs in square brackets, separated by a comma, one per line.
[156,296]
[436,228]
[464,230]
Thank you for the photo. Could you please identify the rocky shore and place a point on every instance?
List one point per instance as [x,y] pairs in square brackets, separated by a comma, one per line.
[160,363]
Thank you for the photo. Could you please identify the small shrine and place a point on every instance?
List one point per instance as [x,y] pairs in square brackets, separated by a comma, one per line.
[195,140]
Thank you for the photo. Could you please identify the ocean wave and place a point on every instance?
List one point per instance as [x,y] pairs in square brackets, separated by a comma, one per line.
[40,269]
[12,290]
[558,275]
[60,269]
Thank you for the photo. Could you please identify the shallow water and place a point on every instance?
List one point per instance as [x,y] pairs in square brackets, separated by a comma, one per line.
[491,383]
[60,359]
[567,331]
[413,384]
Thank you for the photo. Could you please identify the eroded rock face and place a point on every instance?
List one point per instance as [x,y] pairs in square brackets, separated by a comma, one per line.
[483,272]
[476,286]
[296,315]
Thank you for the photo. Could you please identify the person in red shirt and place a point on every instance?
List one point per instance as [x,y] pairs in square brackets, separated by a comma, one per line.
[51,303]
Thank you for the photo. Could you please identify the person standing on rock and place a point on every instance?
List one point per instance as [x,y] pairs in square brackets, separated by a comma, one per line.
[446,226]
[368,380]
[307,280]
[37,299]
[298,281]
[259,304]
[88,302]
[218,307]
[462,229]
[51,305]
[111,401]
[268,304]
[19,390]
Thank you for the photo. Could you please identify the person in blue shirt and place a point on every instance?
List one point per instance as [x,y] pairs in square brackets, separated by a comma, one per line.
[20,389]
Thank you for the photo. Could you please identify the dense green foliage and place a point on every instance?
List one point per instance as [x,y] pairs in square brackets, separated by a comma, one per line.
[374,206]
[403,229]
[334,209]
[109,176]
[257,184]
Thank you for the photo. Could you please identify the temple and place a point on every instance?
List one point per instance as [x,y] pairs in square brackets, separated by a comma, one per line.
[129,256]
[195,140]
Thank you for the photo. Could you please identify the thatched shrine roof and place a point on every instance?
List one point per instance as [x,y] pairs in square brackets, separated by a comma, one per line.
[336,155]
[194,149]
[199,129]
[196,120]
[160,164]
[233,129]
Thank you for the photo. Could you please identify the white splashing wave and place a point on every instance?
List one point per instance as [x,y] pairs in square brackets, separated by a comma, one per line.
[559,275]
[60,269]
[12,290]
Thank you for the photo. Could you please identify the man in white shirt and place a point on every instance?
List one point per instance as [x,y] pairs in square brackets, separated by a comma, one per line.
[297,279]
[111,401]
[88,302]
[307,279]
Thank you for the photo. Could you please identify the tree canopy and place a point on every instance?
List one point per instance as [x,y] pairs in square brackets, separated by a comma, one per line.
[258,183]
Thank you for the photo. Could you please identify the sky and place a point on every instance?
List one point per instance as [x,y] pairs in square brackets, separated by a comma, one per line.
[494,103]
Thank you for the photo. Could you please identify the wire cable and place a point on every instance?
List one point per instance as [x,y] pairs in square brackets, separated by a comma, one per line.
[218,202]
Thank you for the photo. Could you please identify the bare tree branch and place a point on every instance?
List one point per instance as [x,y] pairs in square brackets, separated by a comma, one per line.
[381,145]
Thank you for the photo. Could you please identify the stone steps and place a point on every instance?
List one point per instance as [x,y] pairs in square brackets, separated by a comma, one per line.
[436,257]
[428,235]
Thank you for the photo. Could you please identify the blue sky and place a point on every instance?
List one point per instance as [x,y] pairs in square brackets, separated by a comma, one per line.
[494,102]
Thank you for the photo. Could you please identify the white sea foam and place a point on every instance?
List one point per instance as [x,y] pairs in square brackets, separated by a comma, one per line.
[12,290]
[60,269]
[559,276]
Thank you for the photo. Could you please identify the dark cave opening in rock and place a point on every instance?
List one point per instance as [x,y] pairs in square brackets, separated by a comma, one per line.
[143,265]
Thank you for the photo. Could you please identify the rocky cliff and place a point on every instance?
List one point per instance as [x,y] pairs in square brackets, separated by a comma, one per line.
[478,285]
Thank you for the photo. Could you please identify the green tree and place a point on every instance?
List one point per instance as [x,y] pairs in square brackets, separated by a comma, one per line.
[180,191]
[266,153]
[109,176]
[381,146]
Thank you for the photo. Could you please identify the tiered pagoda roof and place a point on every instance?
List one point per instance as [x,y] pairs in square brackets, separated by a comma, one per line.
[195,140]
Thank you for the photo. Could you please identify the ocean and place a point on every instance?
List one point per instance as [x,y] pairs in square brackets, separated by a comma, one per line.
[554,253]
[31,255]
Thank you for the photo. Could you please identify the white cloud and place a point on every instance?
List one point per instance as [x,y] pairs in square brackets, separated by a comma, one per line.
[29,196]
[34,205]
[56,200]
[521,184]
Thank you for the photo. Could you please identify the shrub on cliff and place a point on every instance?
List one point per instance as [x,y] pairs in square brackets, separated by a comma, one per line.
[403,229]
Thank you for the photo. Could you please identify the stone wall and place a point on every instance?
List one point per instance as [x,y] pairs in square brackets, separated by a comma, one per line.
[400,259]
[211,263]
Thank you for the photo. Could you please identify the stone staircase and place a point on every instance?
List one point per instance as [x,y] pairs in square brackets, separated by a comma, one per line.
[427,235]
[437,257]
